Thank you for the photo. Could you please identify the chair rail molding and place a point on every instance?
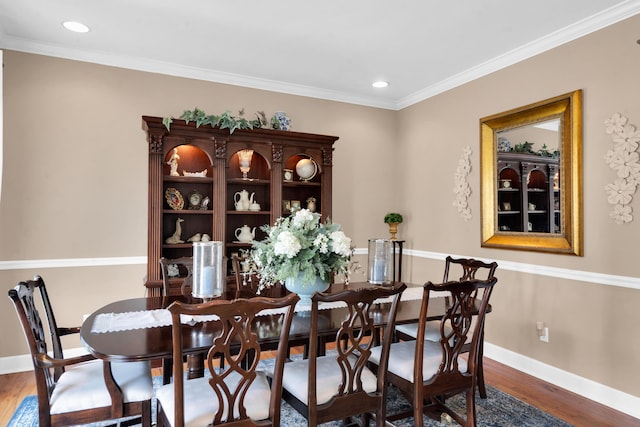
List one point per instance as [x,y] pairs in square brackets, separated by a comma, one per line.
[71,262]
[541,270]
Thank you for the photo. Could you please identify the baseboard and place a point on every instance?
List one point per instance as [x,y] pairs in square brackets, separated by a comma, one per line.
[584,387]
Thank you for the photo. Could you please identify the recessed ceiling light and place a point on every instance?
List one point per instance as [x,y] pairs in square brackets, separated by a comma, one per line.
[76,27]
[380,84]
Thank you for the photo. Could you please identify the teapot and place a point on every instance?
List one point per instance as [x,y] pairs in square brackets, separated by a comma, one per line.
[242,200]
[245,234]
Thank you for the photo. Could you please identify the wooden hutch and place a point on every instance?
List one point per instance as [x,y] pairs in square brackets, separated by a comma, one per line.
[209,156]
[528,193]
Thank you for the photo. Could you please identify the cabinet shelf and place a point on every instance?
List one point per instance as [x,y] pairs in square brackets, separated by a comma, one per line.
[188,179]
[248,212]
[249,181]
[186,212]
[301,184]
[188,245]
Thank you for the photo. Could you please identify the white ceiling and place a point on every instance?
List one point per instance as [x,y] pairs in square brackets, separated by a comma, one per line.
[331,49]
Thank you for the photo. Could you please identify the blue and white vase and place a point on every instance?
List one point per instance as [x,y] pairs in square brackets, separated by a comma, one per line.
[305,290]
[284,122]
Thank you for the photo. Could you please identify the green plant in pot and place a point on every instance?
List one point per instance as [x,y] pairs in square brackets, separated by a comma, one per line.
[393,219]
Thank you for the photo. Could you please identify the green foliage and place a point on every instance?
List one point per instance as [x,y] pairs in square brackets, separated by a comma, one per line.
[223,121]
[393,217]
[527,147]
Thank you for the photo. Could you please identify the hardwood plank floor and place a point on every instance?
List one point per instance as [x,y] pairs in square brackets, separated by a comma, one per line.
[563,404]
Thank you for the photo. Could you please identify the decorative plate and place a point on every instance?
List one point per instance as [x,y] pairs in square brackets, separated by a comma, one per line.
[174,198]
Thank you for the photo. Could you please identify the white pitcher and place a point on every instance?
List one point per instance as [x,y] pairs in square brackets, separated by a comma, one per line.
[242,200]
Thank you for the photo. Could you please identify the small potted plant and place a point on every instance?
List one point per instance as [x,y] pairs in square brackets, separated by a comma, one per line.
[393,219]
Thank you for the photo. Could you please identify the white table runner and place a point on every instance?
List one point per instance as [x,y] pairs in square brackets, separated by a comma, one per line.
[113,322]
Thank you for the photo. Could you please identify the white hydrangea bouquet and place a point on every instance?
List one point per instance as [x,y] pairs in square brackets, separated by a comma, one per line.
[299,245]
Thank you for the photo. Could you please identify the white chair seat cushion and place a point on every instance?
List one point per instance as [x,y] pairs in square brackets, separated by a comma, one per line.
[295,379]
[431,332]
[402,354]
[201,403]
[82,386]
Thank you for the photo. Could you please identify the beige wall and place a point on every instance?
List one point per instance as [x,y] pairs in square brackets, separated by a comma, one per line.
[588,322]
[75,186]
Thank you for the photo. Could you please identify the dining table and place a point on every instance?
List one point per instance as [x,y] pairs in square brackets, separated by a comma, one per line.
[140,328]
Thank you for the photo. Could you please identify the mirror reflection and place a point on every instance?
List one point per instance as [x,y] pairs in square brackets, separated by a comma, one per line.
[528,197]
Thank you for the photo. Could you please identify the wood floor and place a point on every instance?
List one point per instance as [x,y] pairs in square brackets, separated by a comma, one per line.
[565,405]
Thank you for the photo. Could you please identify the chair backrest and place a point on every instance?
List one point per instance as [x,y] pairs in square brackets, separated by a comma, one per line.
[467,268]
[25,303]
[177,271]
[245,278]
[463,317]
[238,344]
[354,339]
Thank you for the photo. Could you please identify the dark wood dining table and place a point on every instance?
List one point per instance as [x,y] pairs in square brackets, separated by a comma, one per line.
[155,343]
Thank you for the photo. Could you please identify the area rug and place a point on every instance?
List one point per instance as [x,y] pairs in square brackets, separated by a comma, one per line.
[497,410]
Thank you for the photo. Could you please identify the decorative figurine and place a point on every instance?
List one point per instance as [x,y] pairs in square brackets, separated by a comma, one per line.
[311,204]
[173,163]
[205,203]
[177,235]
[195,238]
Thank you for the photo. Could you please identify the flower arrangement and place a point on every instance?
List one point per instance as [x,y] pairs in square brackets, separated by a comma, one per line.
[301,245]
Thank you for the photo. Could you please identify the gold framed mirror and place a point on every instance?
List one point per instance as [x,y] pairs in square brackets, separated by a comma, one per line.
[531,177]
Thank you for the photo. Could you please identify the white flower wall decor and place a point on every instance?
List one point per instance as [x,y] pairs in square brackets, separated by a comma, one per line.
[624,159]
[461,187]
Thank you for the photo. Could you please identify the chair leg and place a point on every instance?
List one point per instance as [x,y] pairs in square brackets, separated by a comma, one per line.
[482,390]
[471,408]
[167,370]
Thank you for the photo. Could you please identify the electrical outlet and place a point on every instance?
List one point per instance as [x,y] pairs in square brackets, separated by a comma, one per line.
[544,337]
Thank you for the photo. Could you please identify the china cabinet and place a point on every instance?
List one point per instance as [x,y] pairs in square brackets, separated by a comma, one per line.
[224,182]
[528,193]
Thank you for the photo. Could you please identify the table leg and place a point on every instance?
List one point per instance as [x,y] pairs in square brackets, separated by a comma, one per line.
[195,365]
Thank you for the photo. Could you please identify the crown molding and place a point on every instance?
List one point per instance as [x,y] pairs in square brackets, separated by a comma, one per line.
[586,26]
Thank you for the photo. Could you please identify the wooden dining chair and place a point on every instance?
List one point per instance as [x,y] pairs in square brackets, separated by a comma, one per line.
[341,386]
[237,393]
[463,269]
[429,372]
[176,276]
[82,389]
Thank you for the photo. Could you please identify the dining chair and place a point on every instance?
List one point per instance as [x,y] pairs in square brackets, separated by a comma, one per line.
[464,269]
[81,389]
[429,372]
[251,285]
[340,386]
[176,271]
[237,393]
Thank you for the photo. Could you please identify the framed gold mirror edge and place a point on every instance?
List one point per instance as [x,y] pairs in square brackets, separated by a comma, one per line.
[567,107]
